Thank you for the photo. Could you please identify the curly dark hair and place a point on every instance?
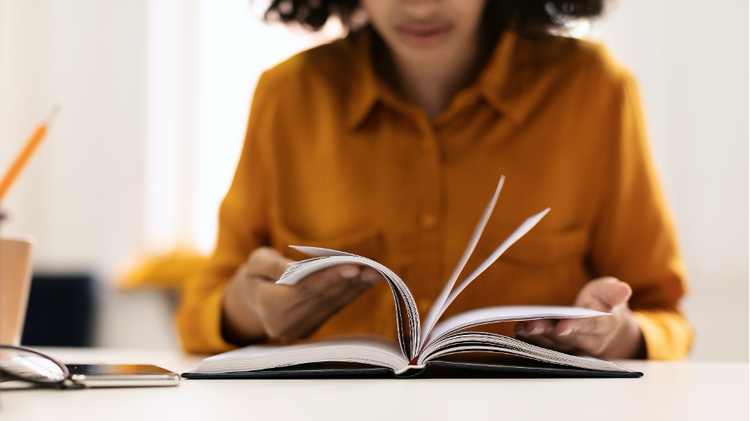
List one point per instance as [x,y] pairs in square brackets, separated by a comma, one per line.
[527,16]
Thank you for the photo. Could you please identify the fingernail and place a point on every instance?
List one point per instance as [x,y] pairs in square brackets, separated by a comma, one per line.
[565,332]
[349,272]
[371,276]
[537,331]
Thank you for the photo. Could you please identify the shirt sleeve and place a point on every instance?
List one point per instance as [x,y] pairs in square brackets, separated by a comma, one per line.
[634,237]
[242,228]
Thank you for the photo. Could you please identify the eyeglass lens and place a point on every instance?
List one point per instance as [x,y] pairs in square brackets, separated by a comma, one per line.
[30,366]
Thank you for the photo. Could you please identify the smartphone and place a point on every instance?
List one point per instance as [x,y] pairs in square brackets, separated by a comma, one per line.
[121,375]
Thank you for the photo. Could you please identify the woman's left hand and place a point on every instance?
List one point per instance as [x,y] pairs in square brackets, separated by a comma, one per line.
[608,337]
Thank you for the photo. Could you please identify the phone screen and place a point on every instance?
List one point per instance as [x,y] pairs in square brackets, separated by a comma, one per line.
[121,375]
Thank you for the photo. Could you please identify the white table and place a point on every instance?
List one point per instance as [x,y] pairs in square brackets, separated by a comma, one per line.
[668,391]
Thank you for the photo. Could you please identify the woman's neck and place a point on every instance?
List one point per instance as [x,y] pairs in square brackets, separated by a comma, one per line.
[431,83]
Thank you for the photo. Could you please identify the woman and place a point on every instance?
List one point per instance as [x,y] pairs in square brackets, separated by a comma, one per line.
[389,143]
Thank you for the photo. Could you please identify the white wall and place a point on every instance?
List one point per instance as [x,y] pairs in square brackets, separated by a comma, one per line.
[204,60]
[154,96]
[89,57]
[94,192]
[82,194]
[691,59]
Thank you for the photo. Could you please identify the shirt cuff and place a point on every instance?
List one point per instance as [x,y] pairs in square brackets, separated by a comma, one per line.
[668,335]
[200,325]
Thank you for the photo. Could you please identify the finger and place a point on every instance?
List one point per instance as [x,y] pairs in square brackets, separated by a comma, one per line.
[294,311]
[519,327]
[587,336]
[535,327]
[576,327]
[550,342]
[603,293]
[319,296]
[575,342]
[371,275]
[267,262]
[332,282]
[318,292]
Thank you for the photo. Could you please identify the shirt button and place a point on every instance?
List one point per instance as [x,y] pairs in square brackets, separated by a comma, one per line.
[423,305]
[428,220]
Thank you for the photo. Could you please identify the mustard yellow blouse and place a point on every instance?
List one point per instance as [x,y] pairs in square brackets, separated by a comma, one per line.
[333,158]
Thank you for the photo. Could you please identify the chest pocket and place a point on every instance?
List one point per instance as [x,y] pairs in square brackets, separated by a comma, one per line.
[543,267]
[539,248]
[367,242]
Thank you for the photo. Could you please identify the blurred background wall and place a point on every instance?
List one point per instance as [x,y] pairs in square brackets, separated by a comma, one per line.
[155,96]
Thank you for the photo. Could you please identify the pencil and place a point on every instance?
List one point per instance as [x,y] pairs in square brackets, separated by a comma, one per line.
[28,150]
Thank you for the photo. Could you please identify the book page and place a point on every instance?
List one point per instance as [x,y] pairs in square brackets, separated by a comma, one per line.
[522,229]
[409,336]
[357,349]
[492,342]
[498,314]
[438,306]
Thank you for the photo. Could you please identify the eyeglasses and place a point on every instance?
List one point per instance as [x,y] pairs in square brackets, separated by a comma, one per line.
[27,365]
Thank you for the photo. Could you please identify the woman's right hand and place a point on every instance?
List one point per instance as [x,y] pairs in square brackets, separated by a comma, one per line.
[255,307]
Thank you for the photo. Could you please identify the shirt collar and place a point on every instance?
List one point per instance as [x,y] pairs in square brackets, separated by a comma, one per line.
[502,83]
[498,80]
[366,90]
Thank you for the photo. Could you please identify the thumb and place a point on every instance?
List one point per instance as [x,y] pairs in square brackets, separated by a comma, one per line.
[603,293]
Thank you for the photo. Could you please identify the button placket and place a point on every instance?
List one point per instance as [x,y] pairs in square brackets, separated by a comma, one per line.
[429,173]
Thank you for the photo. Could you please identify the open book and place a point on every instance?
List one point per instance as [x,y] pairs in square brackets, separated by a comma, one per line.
[434,343]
